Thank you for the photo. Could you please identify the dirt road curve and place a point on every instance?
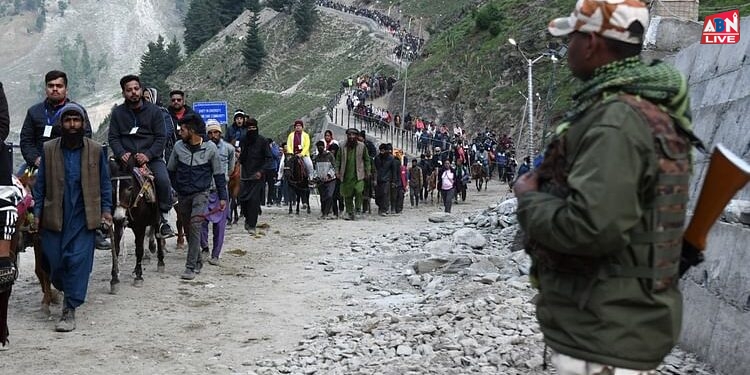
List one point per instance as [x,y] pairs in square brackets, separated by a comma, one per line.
[254,306]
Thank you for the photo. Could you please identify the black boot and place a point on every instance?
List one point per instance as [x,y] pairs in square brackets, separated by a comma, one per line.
[165,231]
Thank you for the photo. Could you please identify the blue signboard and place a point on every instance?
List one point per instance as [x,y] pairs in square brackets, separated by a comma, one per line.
[214,110]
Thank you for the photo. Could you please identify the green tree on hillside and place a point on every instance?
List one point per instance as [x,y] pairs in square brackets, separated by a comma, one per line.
[229,10]
[40,18]
[158,62]
[489,18]
[253,50]
[306,17]
[61,6]
[280,5]
[202,22]
[253,5]
[83,71]
[173,54]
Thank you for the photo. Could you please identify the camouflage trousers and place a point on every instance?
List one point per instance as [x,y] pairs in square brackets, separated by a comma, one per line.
[566,365]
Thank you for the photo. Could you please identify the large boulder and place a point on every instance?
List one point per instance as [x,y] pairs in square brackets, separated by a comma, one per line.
[429,265]
[507,207]
[439,217]
[470,237]
[438,247]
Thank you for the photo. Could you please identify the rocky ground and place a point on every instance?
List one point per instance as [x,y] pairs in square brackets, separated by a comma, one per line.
[421,292]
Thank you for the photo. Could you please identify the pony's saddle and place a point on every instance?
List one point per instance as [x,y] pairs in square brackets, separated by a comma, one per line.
[145,179]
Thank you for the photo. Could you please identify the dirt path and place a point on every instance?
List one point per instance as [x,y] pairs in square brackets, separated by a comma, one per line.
[255,306]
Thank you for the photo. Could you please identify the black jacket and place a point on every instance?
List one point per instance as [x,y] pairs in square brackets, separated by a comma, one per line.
[188,111]
[385,168]
[5,158]
[149,138]
[4,116]
[38,117]
[426,166]
[255,157]
[371,150]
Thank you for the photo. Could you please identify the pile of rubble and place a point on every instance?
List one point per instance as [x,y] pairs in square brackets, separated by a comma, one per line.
[452,298]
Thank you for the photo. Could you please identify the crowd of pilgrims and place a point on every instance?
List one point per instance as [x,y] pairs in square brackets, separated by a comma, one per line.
[409,43]
[439,175]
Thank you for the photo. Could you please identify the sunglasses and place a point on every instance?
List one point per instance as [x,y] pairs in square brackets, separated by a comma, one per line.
[176,99]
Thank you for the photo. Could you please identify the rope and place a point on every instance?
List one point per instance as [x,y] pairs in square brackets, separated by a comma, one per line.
[201,217]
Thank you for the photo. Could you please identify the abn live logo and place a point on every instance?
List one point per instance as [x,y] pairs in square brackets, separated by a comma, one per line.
[722,28]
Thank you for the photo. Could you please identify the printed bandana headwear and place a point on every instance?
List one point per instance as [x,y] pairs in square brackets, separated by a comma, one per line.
[611,19]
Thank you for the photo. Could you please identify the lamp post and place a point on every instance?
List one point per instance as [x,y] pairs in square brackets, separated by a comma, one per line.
[406,76]
[530,97]
[548,107]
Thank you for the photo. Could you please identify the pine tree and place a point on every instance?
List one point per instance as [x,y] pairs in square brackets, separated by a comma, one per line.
[253,5]
[40,18]
[280,5]
[253,51]
[156,66]
[202,22]
[306,18]
[229,10]
[173,54]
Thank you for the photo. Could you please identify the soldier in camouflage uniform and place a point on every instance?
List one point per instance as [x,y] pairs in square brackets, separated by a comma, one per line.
[603,215]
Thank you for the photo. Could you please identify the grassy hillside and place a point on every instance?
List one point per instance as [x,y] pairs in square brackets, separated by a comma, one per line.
[471,75]
[296,80]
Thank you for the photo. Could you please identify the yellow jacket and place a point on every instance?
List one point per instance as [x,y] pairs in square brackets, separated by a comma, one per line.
[305,144]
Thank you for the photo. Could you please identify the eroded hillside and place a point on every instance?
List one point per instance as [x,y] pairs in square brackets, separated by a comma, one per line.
[116,35]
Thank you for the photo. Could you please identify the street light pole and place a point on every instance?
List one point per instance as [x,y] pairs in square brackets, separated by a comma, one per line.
[531,107]
[530,97]
[548,107]
[403,106]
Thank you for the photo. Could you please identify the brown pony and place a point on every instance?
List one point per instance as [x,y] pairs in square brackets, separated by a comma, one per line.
[28,234]
[432,185]
[234,192]
[479,175]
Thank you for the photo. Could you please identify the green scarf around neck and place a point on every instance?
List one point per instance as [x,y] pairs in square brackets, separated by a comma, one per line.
[658,82]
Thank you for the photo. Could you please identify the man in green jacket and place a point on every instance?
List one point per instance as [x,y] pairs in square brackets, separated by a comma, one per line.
[352,168]
[603,215]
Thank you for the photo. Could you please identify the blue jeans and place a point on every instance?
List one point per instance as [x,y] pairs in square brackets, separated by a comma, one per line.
[163,186]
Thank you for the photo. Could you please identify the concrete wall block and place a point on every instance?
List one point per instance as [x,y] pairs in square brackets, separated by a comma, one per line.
[702,62]
[725,271]
[673,34]
[716,323]
[697,318]
[734,85]
[729,56]
[724,123]
[715,331]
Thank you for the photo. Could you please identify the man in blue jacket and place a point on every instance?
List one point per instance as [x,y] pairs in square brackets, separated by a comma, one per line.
[137,130]
[38,126]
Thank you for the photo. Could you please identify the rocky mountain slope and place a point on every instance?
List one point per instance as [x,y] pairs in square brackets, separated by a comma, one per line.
[296,79]
[116,33]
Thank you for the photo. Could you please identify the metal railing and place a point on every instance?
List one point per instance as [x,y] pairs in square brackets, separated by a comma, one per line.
[387,133]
